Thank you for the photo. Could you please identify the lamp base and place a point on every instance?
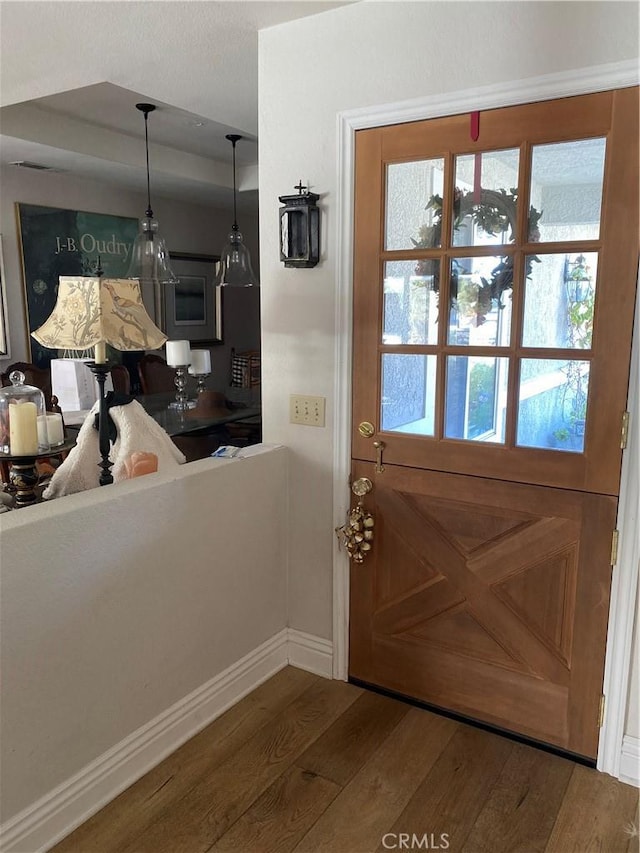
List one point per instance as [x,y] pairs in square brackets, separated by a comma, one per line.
[101,370]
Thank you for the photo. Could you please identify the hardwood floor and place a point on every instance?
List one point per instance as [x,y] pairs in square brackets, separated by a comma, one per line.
[305,764]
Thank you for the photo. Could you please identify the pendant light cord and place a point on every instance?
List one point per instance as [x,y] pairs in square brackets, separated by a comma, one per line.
[146,145]
[145,109]
[233,139]
[235,216]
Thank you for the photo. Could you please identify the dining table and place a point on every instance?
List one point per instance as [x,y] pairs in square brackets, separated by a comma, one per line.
[198,421]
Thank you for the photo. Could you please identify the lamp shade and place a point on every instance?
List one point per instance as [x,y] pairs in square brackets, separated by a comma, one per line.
[149,255]
[89,311]
[235,264]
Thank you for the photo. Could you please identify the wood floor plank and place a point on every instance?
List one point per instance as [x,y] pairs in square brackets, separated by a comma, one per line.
[239,785]
[281,816]
[596,815]
[200,818]
[345,746]
[633,831]
[137,807]
[450,798]
[359,816]
[523,805]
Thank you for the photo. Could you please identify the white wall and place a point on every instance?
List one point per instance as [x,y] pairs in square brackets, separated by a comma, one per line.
[357,56]
[185,228]
[118,602]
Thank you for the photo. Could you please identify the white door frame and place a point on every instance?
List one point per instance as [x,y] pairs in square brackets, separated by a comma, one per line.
[624,582]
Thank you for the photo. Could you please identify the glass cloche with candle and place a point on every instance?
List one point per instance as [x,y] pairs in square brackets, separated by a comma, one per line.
[23,418]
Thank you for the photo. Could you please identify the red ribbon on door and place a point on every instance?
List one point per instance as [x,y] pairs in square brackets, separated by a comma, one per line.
[474,130]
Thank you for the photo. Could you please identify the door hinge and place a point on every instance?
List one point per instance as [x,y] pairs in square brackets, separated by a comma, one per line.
[624,433]
[614,548]
[601,712]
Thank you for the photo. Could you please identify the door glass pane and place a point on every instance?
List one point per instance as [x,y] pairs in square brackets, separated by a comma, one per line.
[410,222]
[566,190]
[560,295]
[485,201]
[410,303]
[408,393]
[476,398]
[480,301]
[553,404]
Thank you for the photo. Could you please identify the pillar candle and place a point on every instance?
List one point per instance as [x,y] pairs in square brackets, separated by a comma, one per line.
[55,429]
[43,440]
[200,362]
[178,353]
[100,352]
[23,429]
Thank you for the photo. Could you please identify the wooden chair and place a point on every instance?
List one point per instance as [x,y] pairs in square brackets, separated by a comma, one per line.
[156,377]
[38,376]
[121,379]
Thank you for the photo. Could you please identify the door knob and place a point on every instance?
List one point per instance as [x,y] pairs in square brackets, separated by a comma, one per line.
[361,487]
[357,533]
[366,429]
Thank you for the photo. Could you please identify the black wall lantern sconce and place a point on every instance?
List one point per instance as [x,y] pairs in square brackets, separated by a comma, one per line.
[300,229]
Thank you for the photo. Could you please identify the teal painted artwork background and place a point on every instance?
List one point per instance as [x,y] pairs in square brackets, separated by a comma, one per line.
[59,242]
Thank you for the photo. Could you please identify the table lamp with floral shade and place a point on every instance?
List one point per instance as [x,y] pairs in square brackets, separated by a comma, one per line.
[93,312]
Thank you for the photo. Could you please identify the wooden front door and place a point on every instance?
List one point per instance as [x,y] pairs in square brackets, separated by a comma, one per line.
[494,286]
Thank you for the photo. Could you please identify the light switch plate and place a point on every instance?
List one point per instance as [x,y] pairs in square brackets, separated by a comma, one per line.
[306,410]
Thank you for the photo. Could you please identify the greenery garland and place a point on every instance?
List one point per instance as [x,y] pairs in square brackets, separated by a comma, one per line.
[496,214]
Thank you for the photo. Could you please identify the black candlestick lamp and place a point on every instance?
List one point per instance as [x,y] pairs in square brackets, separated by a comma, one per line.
[101,371]
[93,312]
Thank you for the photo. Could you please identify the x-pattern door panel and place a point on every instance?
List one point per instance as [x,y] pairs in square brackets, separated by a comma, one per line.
[473,595]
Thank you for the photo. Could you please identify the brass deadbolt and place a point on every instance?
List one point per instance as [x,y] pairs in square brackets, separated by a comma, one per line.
[366,429]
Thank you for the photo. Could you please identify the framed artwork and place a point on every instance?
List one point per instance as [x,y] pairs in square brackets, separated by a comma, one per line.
[4,324]
[56,242]
[192,307]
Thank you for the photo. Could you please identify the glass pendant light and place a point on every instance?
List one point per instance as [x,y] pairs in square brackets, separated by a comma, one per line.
[149,255]
[235,260]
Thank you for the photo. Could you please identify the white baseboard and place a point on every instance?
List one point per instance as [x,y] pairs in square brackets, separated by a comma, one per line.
[306,651]
[44,823]
[630,761]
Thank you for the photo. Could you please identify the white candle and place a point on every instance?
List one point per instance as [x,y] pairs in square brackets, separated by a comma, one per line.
[100,352]
[55,429]
[178,353]
[23,429]
[43,440]
[200,362]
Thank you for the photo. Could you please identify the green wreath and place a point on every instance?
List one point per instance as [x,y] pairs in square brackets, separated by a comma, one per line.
[496,214]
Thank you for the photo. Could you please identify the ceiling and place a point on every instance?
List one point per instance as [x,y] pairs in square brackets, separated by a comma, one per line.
[72,72]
